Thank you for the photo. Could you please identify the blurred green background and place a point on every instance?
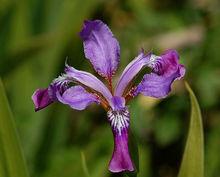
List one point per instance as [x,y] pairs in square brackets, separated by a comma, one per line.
[36,36]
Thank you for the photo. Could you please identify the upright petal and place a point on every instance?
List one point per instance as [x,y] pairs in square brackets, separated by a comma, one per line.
[88,80]
[77,97]
[166,69]
[121,160]
[41,99]
[100,47]
[131,70]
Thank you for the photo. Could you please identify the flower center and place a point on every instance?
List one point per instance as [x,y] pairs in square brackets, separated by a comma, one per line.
[119,120]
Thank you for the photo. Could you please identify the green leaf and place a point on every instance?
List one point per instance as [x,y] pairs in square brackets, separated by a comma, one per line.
[193,159]
[13,156]
[2,159]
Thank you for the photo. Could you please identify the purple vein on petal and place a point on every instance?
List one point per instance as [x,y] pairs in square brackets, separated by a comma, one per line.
[131,70]
[119,121]
[77,97]
[165,70]
[88,80]
[100,47]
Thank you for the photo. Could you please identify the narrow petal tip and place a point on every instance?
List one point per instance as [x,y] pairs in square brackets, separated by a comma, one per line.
[117,168]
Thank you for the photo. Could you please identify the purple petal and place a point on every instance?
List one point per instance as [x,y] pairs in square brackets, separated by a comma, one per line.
[156,86]
[166,64]
[44,97]
[166,69]
[132,69]
[88,80]
[77,98]
[100,47]
[118,103]
[121,160]
[41,99]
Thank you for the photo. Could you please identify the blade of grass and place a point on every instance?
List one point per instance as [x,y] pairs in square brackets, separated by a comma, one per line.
[14,160]
[84,165]
[193,159]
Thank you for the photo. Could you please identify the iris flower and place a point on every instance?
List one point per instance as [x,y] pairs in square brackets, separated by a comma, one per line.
[78,89]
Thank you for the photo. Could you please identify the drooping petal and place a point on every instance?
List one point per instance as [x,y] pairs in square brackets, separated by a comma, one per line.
[59,90]
[131,70]
[100,47]
[121,160]
[156,86]
[41,99]
[166,69]
[77,98]
[44,97]
[167,64]
[88,80]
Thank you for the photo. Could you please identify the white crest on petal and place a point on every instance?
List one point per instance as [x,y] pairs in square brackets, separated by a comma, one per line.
[61,79]
[57,85]
[119,120]
[153,59]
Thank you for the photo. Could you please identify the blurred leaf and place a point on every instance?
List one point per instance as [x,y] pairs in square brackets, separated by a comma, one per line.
[167,129]
[24,58]
[84,165]
[2,160]
[212,161]
[98,151]
[65,162]
[193,159]
[24,53]
[101,167]
[148,102]
[144,161]
[14,159]
[131,174]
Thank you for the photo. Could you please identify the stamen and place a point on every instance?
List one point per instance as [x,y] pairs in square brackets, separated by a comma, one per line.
[103,102]
[130,94]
